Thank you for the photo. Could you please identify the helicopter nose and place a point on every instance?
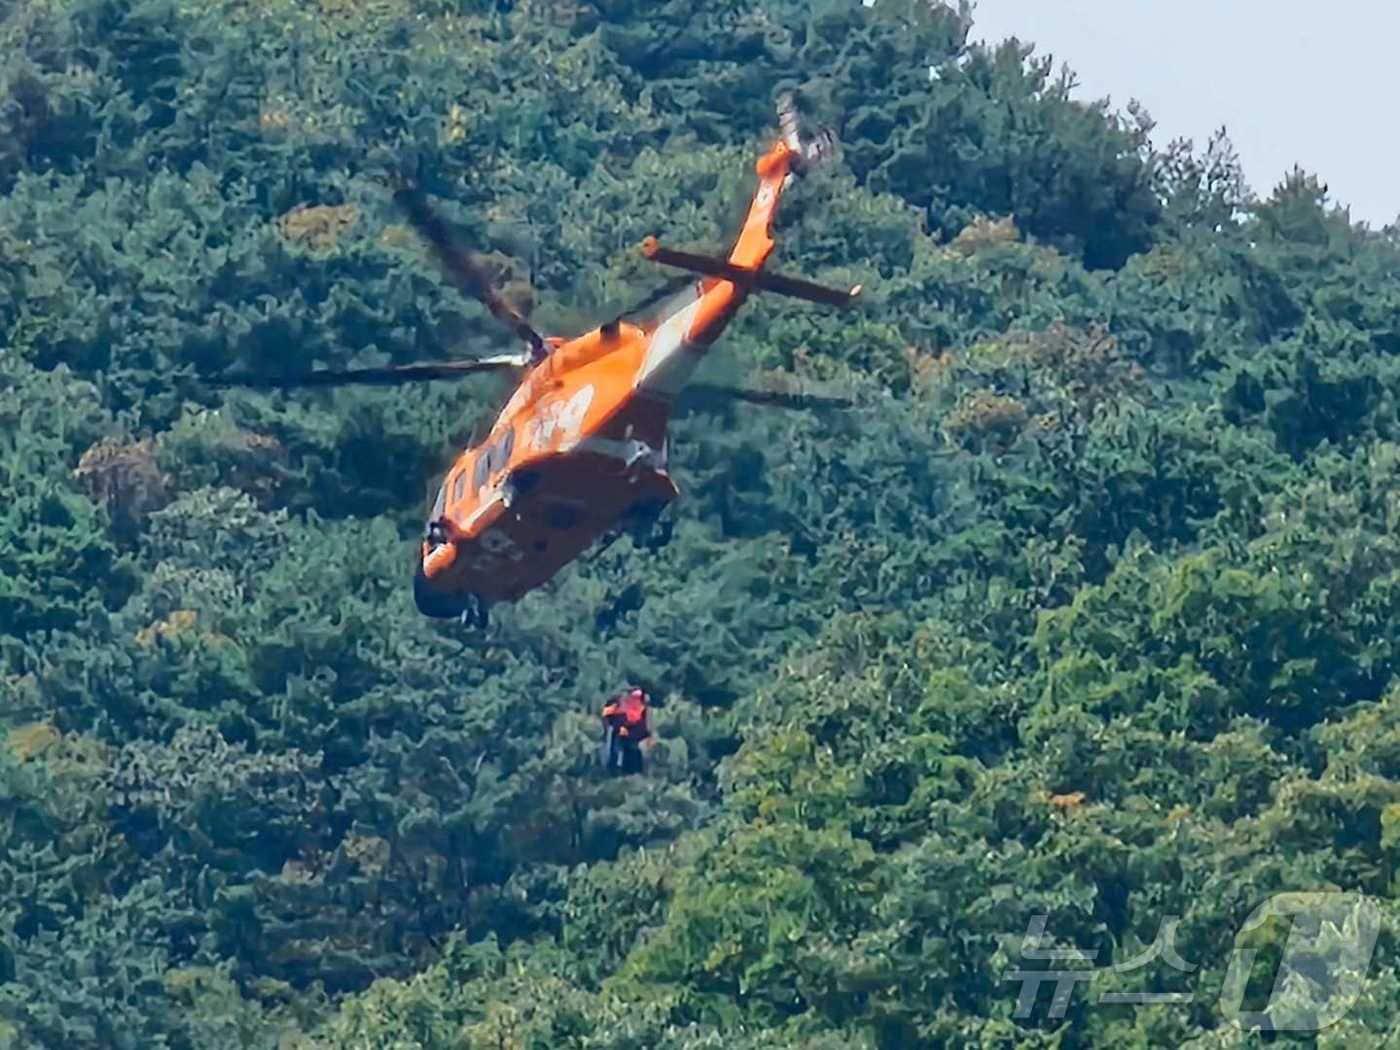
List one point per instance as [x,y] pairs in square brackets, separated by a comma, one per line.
[439,560]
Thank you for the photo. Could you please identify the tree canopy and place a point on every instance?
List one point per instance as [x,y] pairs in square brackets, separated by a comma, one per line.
[1088,610]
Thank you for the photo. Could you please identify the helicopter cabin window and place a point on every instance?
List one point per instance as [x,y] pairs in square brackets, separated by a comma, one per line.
[493,458]
[459,485]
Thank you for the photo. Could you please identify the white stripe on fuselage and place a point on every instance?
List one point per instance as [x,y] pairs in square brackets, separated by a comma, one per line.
[670,359]
[487,502]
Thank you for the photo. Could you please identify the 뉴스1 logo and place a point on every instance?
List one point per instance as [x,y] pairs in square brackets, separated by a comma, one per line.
[1315,949]
[1299,964]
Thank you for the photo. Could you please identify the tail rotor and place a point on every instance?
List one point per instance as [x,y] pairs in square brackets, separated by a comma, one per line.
[811,152]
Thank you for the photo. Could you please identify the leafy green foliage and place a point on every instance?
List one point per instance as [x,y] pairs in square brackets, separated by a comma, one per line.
[1087,612]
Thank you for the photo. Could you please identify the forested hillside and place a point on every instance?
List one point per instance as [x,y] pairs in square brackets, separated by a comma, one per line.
[1089,609]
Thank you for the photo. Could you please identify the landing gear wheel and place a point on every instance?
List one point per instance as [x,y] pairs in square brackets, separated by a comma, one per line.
[660,534]
[476,614]
[650,526]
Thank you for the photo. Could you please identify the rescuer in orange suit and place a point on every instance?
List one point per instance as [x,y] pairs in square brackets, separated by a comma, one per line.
[624,729]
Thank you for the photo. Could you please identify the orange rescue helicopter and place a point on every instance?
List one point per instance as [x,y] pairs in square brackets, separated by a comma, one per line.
[579,452]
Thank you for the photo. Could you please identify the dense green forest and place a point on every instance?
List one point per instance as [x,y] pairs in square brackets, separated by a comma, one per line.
[1088,610]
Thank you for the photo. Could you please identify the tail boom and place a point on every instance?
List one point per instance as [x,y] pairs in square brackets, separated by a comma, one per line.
[675,346]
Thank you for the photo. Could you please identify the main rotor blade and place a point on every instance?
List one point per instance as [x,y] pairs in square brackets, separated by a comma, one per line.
[460,267]
[665,291]
[389,375]
[698,393]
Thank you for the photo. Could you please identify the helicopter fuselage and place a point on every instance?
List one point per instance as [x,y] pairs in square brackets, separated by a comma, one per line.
[581,444]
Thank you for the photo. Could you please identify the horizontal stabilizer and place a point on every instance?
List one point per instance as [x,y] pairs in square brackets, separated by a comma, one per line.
[713,266]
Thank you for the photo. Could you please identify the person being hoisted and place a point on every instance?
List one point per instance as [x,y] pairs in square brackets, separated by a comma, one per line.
[624,729]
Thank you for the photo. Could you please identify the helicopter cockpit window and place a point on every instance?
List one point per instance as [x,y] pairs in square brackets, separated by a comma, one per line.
[460,484]
[483,468]
[439,504]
